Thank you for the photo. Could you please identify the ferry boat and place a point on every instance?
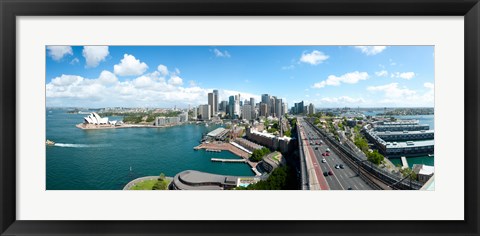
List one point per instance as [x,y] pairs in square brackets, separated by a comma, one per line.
[50,143]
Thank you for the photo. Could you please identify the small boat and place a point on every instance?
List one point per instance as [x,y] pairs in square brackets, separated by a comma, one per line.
[430,155]
[206,124]
[50,143]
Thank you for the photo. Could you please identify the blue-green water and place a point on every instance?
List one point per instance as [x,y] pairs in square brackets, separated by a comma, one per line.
[429,161]
[422,119]
[101,159]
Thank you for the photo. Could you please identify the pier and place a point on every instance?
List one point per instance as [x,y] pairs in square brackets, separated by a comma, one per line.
[404,162]
[213,150]
[228,160]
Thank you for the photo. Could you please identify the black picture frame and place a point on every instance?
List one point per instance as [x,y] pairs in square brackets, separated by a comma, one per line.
[470,9]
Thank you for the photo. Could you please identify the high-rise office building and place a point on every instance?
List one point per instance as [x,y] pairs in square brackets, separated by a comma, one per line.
[265,98]
[204,111]
[231,106]
[194,113]
[299,108]
[216,98]
[252,103]
[263,109]
[211,101]
[311,109]
[278,107]
[247,112]
[223,106]
[271,105]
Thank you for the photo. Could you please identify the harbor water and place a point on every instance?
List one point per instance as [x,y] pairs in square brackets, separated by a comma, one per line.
[108,159]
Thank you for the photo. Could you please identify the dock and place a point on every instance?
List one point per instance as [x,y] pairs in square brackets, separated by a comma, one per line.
[213,150]
[404,162]
[228,160]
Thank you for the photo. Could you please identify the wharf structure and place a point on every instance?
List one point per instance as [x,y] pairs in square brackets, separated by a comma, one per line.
[407,125]
[196,180]
[394,139]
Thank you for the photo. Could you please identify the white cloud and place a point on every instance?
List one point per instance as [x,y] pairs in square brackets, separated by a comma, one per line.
[381,73]
[219,53]
[163,70]
[313,58]
[394,95]
[129,65]
[349,78]
[58,52]
[107,77]
[94,55]
[342,100]
[148,90]
[192,83]
[392,90]
[371,50]
[175,80]
[403,75]
[429,85]
[74,61]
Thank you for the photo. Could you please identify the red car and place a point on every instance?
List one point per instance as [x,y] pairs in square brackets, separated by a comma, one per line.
[330,172]
[323,154]
[327,154]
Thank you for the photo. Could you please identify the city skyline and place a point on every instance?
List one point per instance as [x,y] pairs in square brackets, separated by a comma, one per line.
[168,76]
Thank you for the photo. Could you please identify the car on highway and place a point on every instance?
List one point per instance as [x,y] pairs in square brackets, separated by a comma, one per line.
[323,160]
[330,172]
[325,173]
[341,166]
[337,166]
[328,149]
[349,188]
[316,148]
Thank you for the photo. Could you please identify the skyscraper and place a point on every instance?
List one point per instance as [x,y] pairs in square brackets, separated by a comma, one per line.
[211,101]
[278,107]
[252,103]
[216,98]
[204,111]
[311,109]
[271,105]
[263,109]
[299,108]
[194,111]
[247,112]
[231,106]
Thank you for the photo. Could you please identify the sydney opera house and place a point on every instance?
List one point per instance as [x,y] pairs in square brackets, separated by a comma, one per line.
[95,119]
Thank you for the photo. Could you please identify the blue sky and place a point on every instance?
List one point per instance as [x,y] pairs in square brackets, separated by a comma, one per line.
[167,76]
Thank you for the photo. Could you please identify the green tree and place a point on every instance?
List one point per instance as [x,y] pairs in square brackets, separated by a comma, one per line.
[160,185]
[258,154]
[408,172]
[375,157]
[281,178]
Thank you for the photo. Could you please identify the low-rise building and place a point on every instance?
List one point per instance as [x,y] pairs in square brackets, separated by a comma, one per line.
[268,140]
[272,161]
[196,180]
[424,172]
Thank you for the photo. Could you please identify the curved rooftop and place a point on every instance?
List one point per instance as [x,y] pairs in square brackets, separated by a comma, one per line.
[196,180]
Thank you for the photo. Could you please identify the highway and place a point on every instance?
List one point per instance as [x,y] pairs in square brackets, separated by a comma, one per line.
[314,146]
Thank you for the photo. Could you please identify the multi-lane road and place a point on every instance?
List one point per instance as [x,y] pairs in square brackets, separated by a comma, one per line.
[313,147]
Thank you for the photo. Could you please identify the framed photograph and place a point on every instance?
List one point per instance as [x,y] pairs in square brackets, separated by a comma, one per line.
[283,117]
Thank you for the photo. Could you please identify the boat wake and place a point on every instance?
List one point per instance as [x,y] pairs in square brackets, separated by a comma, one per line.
[72,145]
